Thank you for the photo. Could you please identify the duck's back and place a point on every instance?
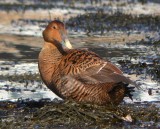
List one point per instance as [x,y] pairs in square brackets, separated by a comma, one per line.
[83,76]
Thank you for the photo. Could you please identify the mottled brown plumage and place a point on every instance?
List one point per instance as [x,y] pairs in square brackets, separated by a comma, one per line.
[77,74]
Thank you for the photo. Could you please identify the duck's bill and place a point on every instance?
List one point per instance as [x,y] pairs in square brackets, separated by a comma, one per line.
[65,41]
[67,44]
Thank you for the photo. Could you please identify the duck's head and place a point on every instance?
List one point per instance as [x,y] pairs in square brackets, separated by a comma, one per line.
[55,32]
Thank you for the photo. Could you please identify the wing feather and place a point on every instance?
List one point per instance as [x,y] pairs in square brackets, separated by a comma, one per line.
[91,69]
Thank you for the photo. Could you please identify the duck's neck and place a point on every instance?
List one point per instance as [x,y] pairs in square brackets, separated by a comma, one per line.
[49,59]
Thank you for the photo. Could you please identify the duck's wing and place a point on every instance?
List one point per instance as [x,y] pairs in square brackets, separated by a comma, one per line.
[105,72]
[89,68]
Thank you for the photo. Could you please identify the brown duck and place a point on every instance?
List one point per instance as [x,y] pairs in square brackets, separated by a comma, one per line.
[78,74]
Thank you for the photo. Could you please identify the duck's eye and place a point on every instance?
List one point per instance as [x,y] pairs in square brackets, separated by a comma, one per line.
[54,27]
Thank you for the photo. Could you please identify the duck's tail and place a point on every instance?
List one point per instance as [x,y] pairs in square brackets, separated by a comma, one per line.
[119,91]
[129,91]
